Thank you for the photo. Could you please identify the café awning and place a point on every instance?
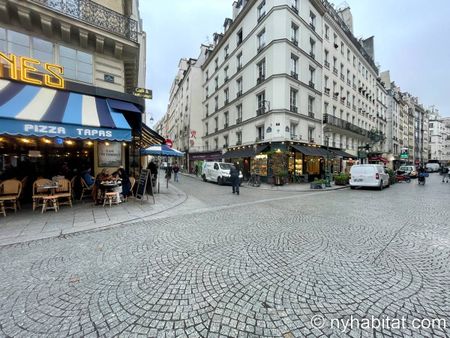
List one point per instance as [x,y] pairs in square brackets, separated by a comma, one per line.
[312,151]
[342,153]
[28,110]
[245,151]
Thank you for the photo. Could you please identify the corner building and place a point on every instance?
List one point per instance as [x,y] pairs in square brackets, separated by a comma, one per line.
[262,87]
[98,49]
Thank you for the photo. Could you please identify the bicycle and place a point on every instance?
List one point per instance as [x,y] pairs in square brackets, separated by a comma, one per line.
[254,180]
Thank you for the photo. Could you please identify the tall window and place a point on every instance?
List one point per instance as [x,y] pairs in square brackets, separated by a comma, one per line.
[312,44]
[216,143]
[206,128]
[260,102]
[206,110]
[225,51]
[293,100]
[216,63]
[206,75]
[216,103]
[225,141]
[312,20]
[293,129]
[77,65]
[311,106]
[226,94]
[312,73]
[216,83]
[239,37]
[216,123]
[239,87]
[225,74]
[260,133]
[239,113]
[262,9]
[294,63]
[327,32]
[226,119]
[261,68]
[294,4]
[239,137]
[294,33]
[261,39]
[239,61]
[326,54]
[206,143]
[311,134]
[206,92]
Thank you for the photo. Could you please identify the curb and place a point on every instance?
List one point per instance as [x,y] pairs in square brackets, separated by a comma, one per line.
[64,234]
[272,189]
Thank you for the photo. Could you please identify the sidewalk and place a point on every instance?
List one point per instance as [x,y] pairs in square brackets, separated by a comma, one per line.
[291,187]
[26,225]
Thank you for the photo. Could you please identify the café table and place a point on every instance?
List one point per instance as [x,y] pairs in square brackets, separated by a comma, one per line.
[107,190]
[51,198]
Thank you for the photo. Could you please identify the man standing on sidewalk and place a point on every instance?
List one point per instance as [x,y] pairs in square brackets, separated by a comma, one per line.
[175,169]
[234,176]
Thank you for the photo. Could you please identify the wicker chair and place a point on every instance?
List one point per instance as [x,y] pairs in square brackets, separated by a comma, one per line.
[64,192]
[86,188]
[11,190]
[38,193]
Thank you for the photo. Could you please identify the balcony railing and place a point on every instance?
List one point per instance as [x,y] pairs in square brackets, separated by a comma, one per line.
[96,15]
[238,120]
[260,111]
[293,109]
[337,122]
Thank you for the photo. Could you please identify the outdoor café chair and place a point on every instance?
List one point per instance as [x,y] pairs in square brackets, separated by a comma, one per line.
[85,187]
[11,190]
[39,193]
[64,192]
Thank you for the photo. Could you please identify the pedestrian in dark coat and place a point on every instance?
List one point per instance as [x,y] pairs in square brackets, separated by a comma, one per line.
[234,176]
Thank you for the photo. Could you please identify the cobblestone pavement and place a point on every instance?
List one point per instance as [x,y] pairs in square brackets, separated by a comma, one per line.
[271,265]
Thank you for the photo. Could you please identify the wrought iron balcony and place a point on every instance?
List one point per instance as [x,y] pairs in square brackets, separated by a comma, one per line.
[339,123]
[96,15]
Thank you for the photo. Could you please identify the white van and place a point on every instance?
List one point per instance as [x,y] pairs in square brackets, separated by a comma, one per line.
[368,175]
[432,167]
[218,172]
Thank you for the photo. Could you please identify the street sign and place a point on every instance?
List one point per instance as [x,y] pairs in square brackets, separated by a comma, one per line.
[404,156]
[169,143]
[142,92]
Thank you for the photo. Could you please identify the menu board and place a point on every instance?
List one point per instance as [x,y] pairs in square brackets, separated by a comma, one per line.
[143,189]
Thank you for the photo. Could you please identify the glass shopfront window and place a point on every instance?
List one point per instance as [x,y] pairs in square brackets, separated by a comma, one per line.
[312,165]
[259,165]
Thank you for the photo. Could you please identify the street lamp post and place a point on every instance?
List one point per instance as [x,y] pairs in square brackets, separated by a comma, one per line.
[363,152]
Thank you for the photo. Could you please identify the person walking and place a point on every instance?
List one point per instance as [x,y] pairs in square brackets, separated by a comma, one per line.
[175,169]
[234,175]
[445,174]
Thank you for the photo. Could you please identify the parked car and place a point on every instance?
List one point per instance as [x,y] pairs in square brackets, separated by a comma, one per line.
[410,170]
[218,172]
[368,175]
[432,167]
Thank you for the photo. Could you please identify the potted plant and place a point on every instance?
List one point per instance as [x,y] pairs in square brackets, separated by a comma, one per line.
[341,179]
[317,184]
[279,170]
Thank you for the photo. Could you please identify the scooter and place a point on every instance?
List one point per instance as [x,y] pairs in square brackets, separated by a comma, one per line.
[421,178]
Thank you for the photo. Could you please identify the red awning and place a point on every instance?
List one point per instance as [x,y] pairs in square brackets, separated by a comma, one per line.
[378,159]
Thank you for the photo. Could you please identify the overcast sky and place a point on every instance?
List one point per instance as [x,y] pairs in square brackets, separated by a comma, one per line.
[411,40]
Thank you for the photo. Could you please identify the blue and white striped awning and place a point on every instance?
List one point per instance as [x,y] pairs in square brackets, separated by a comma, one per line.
[38,111]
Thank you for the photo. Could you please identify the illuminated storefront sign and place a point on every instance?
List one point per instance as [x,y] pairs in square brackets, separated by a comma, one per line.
[40,129]
[23,68]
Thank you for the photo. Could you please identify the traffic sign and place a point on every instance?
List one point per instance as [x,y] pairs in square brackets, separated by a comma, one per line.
[169,143]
